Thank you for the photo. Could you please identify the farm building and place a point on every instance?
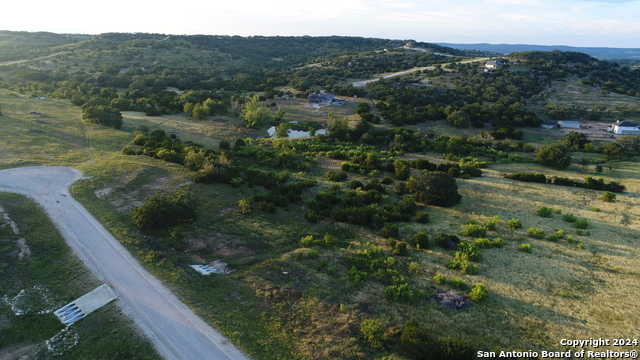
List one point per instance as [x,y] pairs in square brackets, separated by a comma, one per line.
[325,98]
[494,64]
[625,128]
[569,124]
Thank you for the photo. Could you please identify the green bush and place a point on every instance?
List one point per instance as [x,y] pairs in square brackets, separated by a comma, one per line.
[439,279]
[485,243]
[478,292]
[492,223]
[544,212]
[162,211]
[569,218]
[524,248]
[446,241]
[536,233]
[514,224]
[435,188]
[581,232]
[336,176]
[420,241]
[372,331]
[471,250]
[557,236]
[458,283]
[390,231]
[555,156]
[581,224]
[609,197]
[474,230]
[462,263]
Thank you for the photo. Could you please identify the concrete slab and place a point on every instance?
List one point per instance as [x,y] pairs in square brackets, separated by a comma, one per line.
[85,305]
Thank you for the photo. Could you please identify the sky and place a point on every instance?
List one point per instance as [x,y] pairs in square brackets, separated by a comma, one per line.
[611,23]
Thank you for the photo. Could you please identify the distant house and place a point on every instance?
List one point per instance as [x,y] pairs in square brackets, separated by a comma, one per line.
[625,128]
[569,124]
[325,99]
[494,64]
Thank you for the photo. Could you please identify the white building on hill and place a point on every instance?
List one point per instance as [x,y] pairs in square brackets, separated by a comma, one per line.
[625,128]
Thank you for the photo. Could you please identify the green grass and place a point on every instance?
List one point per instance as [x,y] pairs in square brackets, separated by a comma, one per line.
[105,334]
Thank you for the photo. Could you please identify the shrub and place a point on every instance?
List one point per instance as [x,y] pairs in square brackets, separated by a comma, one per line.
[164,210]
[527,177]
[446,241]
[470,249]
[524,248]
[478,292]
[355,184]
[244,206]
[420,241]
[435,188]
[422,217]
[462,263]
[387,180]
[401,169]
[536,233]
[413,267]
[485,243]
[555,156]
[224,145]
[492,223]
[399,248]
[439,279]
[372,331]
[474,230]
[581,232]
[581,224]
[390,231]
[514,224]
[544,212]
[458,283]
[336,176]
[569,218]
[609,197]
[557,236]
[399,292]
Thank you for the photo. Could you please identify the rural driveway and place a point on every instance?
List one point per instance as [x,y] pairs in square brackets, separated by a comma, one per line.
[175,331]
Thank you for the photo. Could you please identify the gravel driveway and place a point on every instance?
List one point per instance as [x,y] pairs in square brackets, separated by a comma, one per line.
[175,331]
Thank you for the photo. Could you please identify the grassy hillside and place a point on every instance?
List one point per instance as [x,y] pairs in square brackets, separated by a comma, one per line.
[25,45]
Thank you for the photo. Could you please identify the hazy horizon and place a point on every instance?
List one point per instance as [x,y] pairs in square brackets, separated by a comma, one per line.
[581,23]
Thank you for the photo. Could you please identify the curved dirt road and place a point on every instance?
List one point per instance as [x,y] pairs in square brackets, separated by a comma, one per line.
[175,331]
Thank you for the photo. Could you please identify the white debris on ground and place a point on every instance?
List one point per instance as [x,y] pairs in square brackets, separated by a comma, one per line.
[32,301]
[63,341]
[103,193]
[297,134]
[85,305]
[24,250]
[7,221]
[215,267]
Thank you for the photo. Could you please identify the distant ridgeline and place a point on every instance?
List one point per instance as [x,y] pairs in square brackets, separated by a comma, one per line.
[603,53]
[165,74]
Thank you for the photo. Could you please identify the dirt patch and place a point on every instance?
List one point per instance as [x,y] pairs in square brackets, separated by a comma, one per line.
[452,300]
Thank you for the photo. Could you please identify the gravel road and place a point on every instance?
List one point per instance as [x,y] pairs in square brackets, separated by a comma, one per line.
[175,331]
